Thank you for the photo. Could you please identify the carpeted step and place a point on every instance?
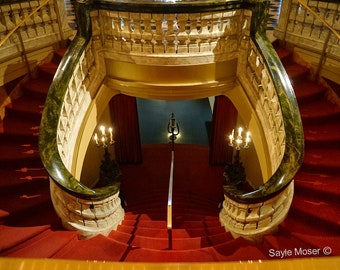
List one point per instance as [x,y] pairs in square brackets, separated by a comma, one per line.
[24,108]
[150,255]
[146,216]
[322,160]
[296,72]
[58,55]
[319,110]
[182,223]
[308,91]
[179,243]
[176,233]
[322,133]
[13,236]
[317,212]
[13,177]
[36,88]
[147,206]
[285,246]
[47,70]
[44,245]
[146,223]
[99,248]
[27,198]
[239,249]
[27,127]
[3,215]
[324,245]
[284,54]
[321,186]
[13,155]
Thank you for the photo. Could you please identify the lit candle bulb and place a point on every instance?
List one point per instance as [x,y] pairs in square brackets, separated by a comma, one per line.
[96,138]
[247,139]
[240,131]
[231,139]
[102,129]
[111,137]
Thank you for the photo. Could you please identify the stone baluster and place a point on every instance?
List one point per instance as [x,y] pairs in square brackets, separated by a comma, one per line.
[107,28]
[29,24]
[165,31]
[3,28]
[194,32]
[135,32]
[157,33]
[47,21]
[8,17]
[37,19]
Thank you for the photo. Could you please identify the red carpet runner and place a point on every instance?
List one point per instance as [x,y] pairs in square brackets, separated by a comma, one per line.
[29,227]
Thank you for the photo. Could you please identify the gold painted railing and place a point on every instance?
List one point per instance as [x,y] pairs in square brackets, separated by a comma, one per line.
[314,27]
[29,32]
[24,20]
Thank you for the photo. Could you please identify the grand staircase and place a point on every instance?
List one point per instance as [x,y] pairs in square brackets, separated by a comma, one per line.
[29,228]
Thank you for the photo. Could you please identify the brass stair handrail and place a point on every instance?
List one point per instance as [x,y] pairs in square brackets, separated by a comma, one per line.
[305,5]
[330,28]
[23,21]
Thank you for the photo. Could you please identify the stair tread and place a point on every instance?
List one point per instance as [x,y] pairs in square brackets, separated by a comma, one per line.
[176,232]
[44,245]
[295,71]
[49,67]
[38,85]
[327,212]
[26,104]
[308,89]
[13,236]
[322,131]
[319,157]
[318,109]
[99,248]
[327,184]
[21,175]
[28,127]
[12,151]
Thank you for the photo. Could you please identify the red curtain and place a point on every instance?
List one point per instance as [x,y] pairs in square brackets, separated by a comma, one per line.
[125,118]
[224,120]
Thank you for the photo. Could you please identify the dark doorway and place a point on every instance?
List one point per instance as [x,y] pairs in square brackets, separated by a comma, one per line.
[193,116]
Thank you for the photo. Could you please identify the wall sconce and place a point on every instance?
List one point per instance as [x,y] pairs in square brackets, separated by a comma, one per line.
[239,141]
[234,173]
[109,169]
[105,137]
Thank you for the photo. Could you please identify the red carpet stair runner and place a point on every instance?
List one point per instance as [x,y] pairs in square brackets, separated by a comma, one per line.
[29,228]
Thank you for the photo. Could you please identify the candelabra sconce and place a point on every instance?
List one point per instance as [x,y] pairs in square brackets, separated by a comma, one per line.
[105,137]
[109,169]
[235,173]
[173,128]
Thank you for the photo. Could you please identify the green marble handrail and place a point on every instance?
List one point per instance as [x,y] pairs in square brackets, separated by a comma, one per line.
[50,118]
[294,145]
[175,6]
